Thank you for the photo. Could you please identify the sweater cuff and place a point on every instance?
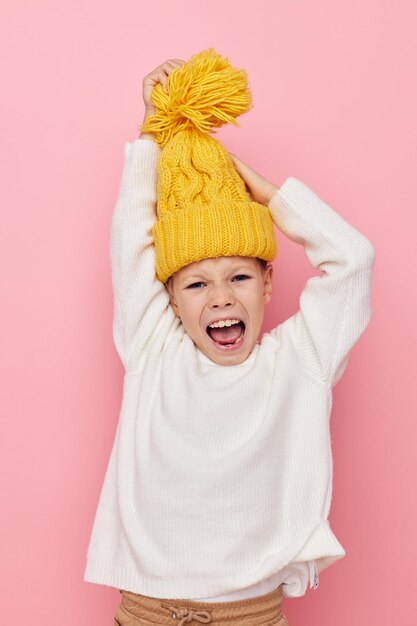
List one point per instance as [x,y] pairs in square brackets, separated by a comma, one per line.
[292,190]
[298,209]
[145,149]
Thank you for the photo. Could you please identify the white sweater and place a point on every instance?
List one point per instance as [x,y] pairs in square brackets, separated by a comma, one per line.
[219,480]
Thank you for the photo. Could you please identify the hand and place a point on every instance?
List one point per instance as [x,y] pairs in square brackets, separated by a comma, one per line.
[159,75]
[259,189]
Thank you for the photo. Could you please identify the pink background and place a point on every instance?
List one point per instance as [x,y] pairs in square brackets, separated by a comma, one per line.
[333,85]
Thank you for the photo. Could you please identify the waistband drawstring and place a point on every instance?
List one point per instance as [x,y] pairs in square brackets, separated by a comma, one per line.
[186,615]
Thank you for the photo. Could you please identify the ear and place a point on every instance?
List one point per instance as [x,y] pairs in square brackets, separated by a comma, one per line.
[267,292]
[170,288]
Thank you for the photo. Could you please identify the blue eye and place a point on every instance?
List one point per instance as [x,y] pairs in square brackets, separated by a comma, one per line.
[241,276]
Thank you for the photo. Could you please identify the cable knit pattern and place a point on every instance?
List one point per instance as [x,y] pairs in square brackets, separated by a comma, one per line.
[203,208]
[220,477]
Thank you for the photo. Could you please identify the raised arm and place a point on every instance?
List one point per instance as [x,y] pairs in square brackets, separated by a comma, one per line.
[335,307]
[140,300]
[142,313]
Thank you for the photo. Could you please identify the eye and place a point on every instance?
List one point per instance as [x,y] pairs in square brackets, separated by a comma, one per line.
[241,276]
[194,285]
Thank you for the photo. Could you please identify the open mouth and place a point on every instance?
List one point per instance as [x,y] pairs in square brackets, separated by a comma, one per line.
[227,337]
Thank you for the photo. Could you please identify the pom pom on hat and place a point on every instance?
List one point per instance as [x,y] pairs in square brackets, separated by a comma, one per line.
[204,93]
[203,207]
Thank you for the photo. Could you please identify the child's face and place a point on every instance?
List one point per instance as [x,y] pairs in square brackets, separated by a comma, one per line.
[222,288]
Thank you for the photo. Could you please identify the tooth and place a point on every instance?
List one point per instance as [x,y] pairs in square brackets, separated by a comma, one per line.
[222,323]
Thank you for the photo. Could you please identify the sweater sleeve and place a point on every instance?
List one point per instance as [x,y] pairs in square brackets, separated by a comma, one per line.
[335,307]
[141,302]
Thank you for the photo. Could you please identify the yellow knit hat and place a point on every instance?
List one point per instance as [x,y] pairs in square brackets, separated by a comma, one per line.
[203,207]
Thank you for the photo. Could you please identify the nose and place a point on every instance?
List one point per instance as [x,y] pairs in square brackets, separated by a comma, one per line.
[220,297]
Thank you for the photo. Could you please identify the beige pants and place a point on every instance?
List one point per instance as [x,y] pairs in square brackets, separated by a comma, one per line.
[139,610]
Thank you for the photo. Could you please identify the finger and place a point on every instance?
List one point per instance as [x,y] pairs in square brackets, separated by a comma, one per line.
[170,66]
[247,170]
[236,159]
[160,77]
[167,69]
[176,61]
[161,68]
[163,80]
[239,165]
[160,73]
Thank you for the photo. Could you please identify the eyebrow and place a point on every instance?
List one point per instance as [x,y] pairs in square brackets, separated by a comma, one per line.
[201,275]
